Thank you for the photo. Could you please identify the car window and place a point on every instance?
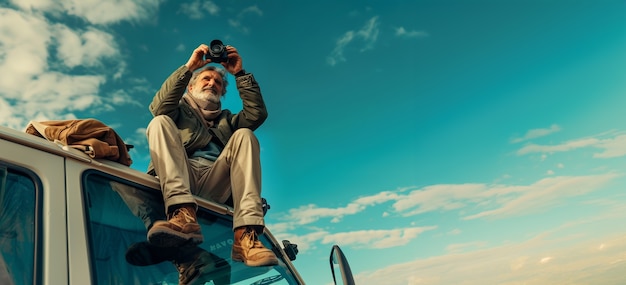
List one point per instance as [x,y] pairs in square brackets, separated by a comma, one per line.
[116,221]
[18,227]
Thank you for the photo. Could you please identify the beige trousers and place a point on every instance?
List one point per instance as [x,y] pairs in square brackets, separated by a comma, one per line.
[236,171]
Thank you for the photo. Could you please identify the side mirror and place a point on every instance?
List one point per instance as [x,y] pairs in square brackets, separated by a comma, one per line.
[265,205]
[290,249]
[339,261]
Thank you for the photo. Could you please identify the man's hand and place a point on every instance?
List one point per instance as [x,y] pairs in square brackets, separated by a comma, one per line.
[234,63]
[196,60]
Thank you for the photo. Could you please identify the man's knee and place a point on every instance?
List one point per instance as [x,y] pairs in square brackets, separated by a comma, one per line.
[244,133]
[160,122]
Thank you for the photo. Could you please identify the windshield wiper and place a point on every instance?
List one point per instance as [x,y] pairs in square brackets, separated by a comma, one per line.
[269,280]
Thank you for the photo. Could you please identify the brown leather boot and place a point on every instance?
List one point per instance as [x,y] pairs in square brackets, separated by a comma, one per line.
[249,250]
[197,266]
[180,229]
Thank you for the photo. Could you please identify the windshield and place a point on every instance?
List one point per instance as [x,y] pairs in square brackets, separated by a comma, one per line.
[114,227]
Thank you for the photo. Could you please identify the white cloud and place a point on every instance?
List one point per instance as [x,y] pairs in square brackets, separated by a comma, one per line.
[375,239]
[311,213]
[543,259]
[121,70]
[138,140]
[337,54]
[251,10]
[8,116]
[305,242]
[95,11]
[23,52]
[567,146]
[236,22]
[543,194]
[84,48]
[438,197]
[361,239]
[368,34]
[41,86]
[379,198]
[455,232]
[198,9]
[54,96]
[464,247]
[28,5]
[471,201]
[612,146]
[519,263]
[121,97]
[536,133]
[402,32]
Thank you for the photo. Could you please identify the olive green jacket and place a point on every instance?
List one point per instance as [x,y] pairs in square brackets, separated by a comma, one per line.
[193,131]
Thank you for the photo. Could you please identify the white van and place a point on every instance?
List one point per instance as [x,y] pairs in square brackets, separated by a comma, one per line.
[63,220]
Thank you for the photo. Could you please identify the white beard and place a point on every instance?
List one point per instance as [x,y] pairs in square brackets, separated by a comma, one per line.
[206,94]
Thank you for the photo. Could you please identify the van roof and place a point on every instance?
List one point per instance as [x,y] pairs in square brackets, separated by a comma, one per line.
[104,165]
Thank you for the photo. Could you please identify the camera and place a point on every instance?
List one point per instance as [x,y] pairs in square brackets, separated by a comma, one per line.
[217,52]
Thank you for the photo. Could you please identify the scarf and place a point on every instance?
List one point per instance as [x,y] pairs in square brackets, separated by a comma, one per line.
[205,108]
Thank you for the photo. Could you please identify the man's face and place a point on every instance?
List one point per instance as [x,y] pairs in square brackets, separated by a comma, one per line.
[208,86]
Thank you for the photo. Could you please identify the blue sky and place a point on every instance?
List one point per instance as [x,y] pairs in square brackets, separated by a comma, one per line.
[437,142]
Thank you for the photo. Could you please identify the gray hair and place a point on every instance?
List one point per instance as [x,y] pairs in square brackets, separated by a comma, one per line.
[221,71]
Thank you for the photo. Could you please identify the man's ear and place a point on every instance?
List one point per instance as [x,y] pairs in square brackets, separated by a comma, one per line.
[189,87]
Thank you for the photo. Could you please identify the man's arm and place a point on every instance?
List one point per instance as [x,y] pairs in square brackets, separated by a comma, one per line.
[166,100]
[254,111]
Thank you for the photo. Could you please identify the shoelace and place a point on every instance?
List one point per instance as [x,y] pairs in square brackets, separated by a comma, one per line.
[185,215]
[251,239]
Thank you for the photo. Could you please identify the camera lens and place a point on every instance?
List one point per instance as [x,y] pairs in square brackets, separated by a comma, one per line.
[217,52]
[216,47]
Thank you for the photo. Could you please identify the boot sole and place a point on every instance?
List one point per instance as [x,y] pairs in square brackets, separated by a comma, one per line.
[263,262]
[144,254]
[172,238]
